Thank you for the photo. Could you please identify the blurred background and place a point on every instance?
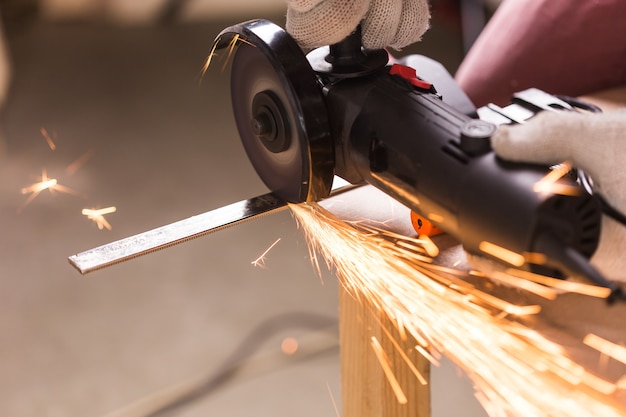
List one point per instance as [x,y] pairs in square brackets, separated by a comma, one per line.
[107,97]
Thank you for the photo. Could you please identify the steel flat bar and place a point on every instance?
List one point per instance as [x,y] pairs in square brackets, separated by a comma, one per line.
[174,233]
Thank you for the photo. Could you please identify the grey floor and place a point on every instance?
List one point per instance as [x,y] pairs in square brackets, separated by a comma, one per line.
[163,147]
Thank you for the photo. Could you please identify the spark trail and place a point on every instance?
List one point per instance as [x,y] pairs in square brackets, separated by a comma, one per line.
[516,371]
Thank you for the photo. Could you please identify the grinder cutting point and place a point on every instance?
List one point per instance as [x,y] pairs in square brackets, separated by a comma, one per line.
[367,118]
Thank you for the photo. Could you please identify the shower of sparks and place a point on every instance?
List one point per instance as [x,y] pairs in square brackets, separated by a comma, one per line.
[46,183]
[260,261]
[550,185]
[97,215]
[516,371]
[48,138]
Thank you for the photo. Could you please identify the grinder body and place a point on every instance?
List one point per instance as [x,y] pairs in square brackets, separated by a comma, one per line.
[437,160]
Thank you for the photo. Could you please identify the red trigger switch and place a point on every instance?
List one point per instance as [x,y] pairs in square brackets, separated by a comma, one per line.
[410,75]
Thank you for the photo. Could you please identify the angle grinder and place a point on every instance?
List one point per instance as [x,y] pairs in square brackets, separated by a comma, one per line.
[363,116]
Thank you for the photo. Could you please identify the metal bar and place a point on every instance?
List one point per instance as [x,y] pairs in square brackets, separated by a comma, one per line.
[174,233]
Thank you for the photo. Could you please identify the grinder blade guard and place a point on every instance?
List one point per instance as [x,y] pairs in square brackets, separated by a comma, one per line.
[279,111]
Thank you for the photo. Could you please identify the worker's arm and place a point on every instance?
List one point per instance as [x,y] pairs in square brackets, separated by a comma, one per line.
[562,47]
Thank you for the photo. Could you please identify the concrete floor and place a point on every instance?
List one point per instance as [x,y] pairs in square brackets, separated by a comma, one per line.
[164,147]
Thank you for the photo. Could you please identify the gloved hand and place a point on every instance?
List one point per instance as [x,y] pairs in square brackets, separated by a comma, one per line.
[385,23]
[595,143]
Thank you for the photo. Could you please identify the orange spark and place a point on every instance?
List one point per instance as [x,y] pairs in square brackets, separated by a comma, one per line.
[260,261]
[289,346]
[231,48]
[605,347]
[549,183]
[332,399]
[403,355]
[516,371]
[48,138]
[97,215]
[383,359]
[535,258]
[501,253]
[38,187]
[79,162]
[427,355]
[546,292]
[46,183]
[209,58]
[563,285]
[429,245]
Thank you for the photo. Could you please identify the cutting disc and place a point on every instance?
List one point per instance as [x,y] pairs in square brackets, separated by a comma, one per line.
[280,114]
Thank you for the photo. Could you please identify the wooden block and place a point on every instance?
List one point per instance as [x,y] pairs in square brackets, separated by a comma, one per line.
[366,391]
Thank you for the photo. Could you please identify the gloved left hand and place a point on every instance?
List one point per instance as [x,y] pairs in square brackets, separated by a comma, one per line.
[595,143]
[384,23]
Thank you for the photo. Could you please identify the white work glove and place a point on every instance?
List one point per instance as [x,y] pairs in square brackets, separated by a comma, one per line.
[595,143]
[385,23]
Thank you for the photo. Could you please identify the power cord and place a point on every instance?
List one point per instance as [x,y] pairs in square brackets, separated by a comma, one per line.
[173,399]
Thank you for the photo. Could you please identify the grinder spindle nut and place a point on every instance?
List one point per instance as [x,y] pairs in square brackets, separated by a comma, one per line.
[268,122]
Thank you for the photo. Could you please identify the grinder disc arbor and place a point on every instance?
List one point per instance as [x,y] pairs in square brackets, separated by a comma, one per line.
[280,112]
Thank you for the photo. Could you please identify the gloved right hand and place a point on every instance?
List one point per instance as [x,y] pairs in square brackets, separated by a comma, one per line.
[385,23]
[595,143]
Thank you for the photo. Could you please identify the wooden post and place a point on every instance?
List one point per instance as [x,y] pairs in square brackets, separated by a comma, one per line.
[366,392]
